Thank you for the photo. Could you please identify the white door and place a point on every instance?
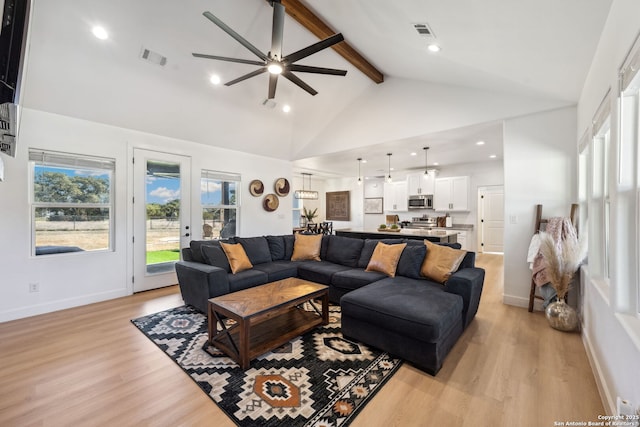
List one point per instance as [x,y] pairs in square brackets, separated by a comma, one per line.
[161,216]
[491,219]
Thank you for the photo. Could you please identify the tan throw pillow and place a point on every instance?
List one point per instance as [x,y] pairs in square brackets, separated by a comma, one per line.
[440,261]
[307,247]
[385,258]
[238,259]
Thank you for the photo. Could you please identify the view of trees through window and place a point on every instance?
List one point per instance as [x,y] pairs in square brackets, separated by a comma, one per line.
[71,206]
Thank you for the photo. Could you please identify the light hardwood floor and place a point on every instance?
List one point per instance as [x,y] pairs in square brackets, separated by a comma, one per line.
[89,366]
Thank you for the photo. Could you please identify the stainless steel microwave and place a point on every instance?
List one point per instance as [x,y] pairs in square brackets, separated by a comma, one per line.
[421,202]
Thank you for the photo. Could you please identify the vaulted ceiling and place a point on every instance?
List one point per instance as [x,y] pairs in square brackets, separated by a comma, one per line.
[499,58]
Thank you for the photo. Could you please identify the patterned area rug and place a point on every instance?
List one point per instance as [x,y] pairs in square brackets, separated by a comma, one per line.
[319,379]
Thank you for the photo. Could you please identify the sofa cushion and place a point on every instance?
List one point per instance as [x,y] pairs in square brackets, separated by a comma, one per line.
[355,278]
[257,249]
[405,306]
[385,258]
[307,247]
[276,247]
[319,271]
[440,261]
[411,261]
[238,259]
[247,279]
[196,251]
[369,246]
[344,250]
[215,256]
[278,270]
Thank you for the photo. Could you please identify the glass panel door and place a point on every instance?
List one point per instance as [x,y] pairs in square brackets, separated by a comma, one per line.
[161,215]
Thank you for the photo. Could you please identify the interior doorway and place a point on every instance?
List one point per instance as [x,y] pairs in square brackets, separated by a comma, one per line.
[161,212]
[491,219]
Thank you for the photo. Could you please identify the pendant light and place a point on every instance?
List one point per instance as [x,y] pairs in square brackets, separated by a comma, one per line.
[306,194]
[389,173]
[359,176]
[426,172]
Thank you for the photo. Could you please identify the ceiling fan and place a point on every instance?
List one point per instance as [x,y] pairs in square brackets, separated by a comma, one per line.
[274,62]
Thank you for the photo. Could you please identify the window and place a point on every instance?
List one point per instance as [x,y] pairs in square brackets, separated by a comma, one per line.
[599,206]
[297,213]
[71,203]
[219,199]
[628,185]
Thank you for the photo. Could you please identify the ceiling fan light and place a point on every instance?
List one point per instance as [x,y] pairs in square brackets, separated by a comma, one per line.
[275,68]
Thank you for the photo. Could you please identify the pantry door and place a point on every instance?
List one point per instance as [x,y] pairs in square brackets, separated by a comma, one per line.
[491,219]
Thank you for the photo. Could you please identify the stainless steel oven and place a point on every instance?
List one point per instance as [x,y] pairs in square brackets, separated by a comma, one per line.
[421,202]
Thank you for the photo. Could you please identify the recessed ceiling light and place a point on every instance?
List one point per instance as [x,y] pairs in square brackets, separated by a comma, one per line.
[286,108]
[480,143]
[214,79]
[433,47]
[435,163]
[100,32]
[493,156]
[364,161]
[413,154]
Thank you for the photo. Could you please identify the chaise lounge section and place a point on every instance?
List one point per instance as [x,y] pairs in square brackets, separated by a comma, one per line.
[406,314]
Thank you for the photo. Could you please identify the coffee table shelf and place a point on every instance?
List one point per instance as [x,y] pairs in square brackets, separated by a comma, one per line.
[266,317]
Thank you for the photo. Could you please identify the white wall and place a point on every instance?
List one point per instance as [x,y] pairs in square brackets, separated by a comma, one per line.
[612,339]
[540,162]
[74,279]
[356,199]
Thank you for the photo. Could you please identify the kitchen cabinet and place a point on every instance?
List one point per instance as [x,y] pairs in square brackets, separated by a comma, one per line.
[420,184]
[451,194]
[462,239]
[395,197]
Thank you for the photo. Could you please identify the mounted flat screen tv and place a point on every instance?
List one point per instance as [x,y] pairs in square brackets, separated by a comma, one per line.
[12,41]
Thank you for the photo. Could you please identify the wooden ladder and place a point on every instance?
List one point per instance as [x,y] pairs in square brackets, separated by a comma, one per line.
[540,221]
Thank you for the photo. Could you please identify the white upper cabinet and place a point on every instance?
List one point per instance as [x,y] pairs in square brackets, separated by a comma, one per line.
[395,197]
[420,184]
[451,194]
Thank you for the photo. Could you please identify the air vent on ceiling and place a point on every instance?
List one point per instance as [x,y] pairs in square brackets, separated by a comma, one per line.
[424,30]
[153,57]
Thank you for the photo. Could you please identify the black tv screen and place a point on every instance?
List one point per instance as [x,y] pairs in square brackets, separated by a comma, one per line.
[12,34]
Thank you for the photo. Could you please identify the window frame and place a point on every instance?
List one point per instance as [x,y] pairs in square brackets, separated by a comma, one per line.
[207,174]
[44,158]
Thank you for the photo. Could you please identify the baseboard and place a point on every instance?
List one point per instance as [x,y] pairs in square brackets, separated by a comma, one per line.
[607,400]
[521,302]
[48,307]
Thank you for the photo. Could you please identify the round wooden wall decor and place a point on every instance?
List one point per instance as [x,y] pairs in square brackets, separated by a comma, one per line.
[282,187]
[270,202]
[256,188]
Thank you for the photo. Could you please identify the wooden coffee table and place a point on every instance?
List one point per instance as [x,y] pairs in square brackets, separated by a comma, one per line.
[266,317]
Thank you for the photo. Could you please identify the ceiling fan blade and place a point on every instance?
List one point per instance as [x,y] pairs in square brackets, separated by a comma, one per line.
[316,47]
[293,78]
[277,30]
[317,70]
[224,58]
[224,27]
[247,76]
[273,81]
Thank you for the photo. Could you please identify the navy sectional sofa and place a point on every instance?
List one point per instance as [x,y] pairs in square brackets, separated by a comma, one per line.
[407,315]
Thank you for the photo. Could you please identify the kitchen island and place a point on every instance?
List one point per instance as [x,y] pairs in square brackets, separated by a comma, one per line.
[439,236]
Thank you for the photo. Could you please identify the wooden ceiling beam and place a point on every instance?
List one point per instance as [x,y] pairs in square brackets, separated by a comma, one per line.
[320,29]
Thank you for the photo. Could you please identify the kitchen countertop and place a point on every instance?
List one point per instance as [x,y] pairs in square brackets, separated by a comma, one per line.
[404,232]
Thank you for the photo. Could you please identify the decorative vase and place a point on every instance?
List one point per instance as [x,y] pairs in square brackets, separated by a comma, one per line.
[303,221]
[561,316]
